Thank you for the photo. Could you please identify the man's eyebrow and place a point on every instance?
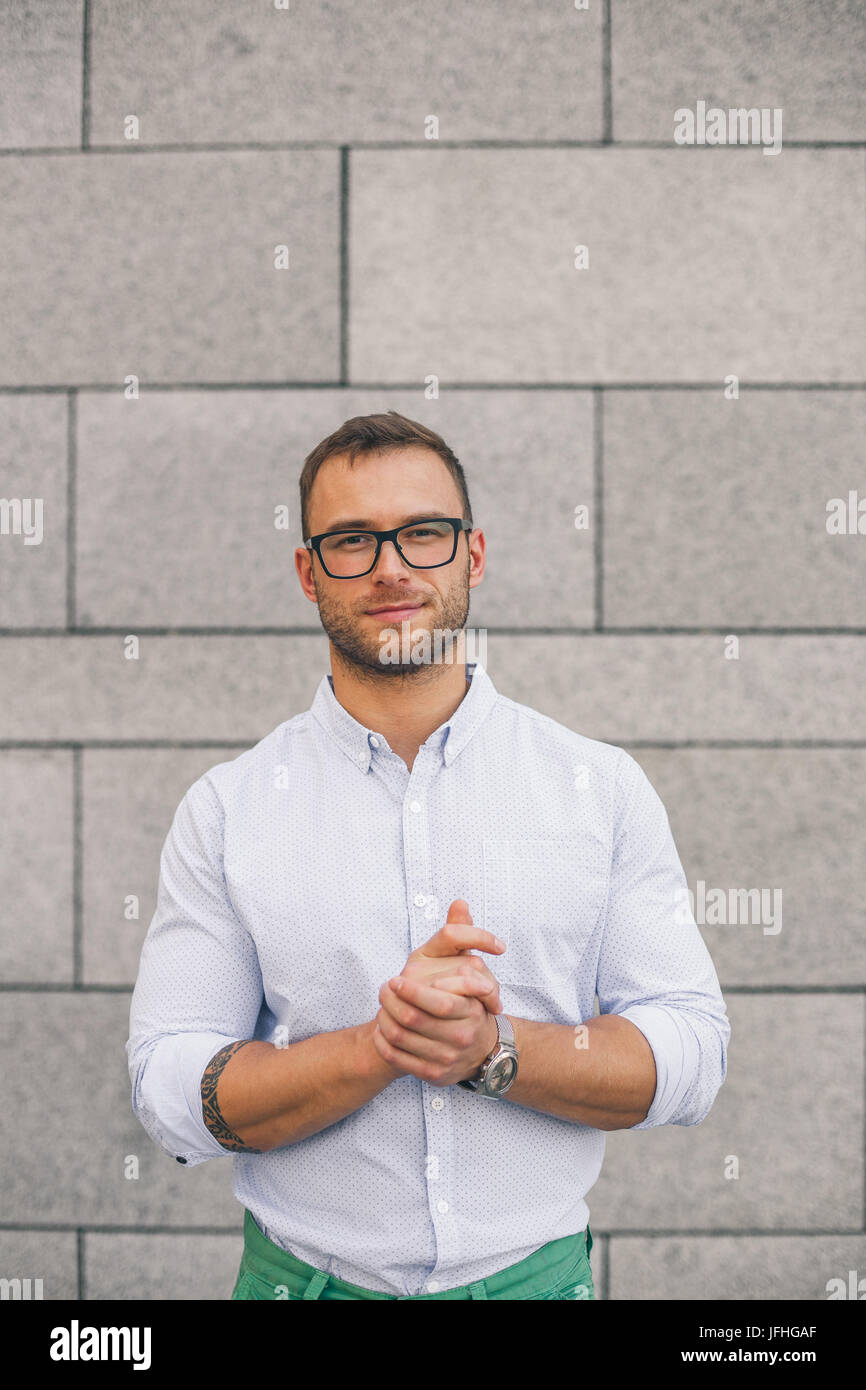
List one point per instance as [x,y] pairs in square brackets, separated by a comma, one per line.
[365,524]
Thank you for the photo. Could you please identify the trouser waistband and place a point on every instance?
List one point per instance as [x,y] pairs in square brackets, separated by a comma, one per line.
[266,1270]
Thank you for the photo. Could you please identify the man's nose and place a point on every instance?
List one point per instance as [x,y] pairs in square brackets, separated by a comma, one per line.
[390,561]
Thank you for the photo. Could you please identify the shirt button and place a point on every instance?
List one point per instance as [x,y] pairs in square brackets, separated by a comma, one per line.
[414,805]
[437,1102]
[374,742]
[433,1286]
[420,900]
[362,756]
[442,1206]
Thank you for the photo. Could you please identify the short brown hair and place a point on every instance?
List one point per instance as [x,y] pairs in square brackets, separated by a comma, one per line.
[365,434]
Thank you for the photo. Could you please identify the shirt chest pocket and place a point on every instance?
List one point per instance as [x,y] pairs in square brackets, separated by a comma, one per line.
[543,898]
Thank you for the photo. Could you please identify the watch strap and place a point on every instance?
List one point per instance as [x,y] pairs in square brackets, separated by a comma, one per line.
[505,1034]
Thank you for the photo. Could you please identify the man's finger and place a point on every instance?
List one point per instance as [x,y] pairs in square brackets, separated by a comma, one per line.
[460,936]
[455,984]
[400,996]
[406,1061]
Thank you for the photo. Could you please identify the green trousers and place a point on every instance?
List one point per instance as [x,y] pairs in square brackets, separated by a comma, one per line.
[558,1270]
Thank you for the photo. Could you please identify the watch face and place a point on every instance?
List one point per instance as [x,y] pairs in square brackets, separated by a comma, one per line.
[500,1074]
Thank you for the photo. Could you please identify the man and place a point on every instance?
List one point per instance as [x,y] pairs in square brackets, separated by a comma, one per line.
[408,1119]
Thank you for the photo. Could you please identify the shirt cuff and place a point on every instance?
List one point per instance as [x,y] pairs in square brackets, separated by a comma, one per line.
[677,1056]
[167,1095]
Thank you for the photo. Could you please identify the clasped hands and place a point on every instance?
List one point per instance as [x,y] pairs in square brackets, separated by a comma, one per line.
[436,1021]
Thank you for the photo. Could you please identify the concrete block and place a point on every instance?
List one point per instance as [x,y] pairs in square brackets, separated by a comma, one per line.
[145,1267]
[716,1268]
[211,70]
[48,1259]
[791,54]
[177,494]
[40,74]
[68,1152]
[33,511]
[36,866]
[223,689]
[163,268]
[130,796]
[788,823]
[472,275]
[788,1121]
[716,510]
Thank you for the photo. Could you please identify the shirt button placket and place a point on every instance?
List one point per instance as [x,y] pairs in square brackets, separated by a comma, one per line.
[417,862]
[438,1123]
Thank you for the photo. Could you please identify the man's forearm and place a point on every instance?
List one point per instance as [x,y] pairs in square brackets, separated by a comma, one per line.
[257,1097]
[601,1073]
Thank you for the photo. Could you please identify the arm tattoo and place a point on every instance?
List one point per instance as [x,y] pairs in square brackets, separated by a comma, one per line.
[210,1107]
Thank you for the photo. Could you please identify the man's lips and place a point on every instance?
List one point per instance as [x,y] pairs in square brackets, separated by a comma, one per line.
[393,609]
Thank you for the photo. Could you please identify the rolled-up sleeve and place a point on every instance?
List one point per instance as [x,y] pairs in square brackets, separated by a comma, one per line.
[199,984]
[654,966]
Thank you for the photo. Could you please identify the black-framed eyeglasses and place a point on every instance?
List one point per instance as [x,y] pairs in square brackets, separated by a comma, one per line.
[424,544]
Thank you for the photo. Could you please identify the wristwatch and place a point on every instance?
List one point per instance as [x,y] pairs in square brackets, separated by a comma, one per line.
[499,1070]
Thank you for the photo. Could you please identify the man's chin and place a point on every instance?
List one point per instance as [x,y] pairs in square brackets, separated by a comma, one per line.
[373,662]
[400,668]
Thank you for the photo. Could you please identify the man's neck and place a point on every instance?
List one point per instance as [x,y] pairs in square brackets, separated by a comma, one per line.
[406,710]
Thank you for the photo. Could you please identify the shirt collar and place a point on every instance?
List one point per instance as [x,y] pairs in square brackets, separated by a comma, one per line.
[360,743]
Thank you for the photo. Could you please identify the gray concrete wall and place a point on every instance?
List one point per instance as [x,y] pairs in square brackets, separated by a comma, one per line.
[412,257]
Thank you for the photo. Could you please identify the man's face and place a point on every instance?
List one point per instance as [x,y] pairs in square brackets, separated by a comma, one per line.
[377,492]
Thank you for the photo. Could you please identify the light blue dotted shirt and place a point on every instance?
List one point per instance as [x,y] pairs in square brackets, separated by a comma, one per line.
[297,877]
